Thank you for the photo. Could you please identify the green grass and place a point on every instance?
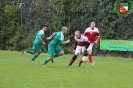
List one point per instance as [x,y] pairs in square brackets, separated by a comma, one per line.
[16,71]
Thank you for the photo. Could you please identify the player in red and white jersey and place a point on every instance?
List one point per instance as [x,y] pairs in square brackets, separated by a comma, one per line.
[93,36]
[81,44]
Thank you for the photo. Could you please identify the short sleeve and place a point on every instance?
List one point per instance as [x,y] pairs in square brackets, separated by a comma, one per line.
[61,38]
[40,33]
[55,33]
[98,33]
[86,32]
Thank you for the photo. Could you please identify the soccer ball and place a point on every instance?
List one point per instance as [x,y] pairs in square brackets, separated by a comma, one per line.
[84,59]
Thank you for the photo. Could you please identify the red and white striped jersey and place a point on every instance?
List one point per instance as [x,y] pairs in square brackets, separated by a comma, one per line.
[82,41]
[91,34]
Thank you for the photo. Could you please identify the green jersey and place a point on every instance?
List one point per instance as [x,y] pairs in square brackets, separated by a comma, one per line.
[39,34]
[58,38]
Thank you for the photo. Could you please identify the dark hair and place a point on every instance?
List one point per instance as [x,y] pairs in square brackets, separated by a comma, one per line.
[44,26]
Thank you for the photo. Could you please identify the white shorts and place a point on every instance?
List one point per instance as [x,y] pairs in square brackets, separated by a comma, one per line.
[90,47]
[79,49]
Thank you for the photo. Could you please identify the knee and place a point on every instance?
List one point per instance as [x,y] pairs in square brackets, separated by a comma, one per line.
[90,52]
[34,52]
[76,54]
[39,53]
[61,53]
[50,58]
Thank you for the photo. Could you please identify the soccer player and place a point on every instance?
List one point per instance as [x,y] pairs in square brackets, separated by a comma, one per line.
[81,45]
[54,50]
[37,43]
[93,36]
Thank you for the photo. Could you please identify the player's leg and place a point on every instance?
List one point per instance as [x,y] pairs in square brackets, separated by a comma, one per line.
[47,60]
[58,52]
[73,59]
[28,51]
[33,51]
[35,56]
[38,49]
[85,53]
[51,51]
[90,53]
[77,52]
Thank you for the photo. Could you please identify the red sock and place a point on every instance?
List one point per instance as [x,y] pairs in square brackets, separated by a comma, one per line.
[80,61]
[90,58]
[71,62]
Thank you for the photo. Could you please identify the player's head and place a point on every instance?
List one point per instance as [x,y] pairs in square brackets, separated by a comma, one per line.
[44,27]
[77,34]
[64,30]
[92,25]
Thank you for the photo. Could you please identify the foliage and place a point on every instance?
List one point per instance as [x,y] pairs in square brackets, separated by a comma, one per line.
[9,24]
[21,20]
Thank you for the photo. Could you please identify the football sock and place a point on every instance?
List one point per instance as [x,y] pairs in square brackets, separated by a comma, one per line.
[46,61]
[72,60]
[30,51]
[90,58]
[80,61]
[35,56]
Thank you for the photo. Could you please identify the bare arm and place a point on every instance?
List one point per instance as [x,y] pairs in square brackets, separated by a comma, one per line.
[65,42]
[48,38]
[97,39]
[42,41]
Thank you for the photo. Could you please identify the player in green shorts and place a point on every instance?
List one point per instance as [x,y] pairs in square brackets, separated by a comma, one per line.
[54,50]
[37,43]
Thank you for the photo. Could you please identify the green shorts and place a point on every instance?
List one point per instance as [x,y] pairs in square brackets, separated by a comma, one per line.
[37,47]
[52,50]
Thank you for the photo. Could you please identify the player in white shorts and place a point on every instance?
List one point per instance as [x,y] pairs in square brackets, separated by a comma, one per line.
[81,45]
[93,36]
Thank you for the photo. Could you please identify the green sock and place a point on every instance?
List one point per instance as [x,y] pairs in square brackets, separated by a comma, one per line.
[56,55]
[30,51]
[46,61]
[35,56]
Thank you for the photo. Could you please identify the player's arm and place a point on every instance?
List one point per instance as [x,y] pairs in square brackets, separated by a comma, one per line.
[62,40]
[86,32]
[87,45]
[98,38]
[48,38]
[65,42]
[39,37]
[75,45]
[42,40]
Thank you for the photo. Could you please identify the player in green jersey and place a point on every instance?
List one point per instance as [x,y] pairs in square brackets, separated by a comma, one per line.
[54,50]
[37,43]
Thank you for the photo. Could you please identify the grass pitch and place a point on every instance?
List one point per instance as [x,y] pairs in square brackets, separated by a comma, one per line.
[16,71]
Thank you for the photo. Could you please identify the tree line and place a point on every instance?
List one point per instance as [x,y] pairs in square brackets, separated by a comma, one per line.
[21,19]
